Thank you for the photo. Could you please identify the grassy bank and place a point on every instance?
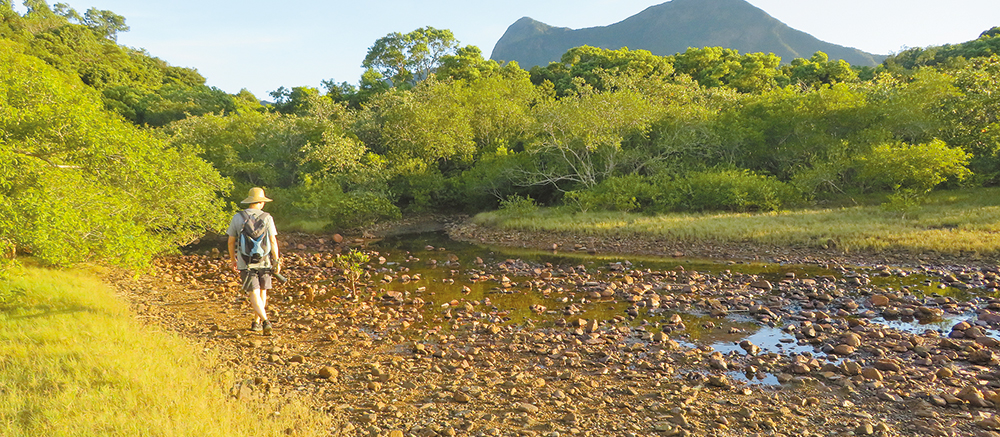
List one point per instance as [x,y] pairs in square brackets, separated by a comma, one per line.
[74,362]
[947,221]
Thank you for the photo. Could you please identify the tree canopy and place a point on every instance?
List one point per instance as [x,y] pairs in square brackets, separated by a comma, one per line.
[78,183]
[110,153]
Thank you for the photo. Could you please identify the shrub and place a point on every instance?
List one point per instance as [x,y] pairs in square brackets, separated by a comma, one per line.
[624,193]
[727,190]
[327,201]
[919,167]
[515,205]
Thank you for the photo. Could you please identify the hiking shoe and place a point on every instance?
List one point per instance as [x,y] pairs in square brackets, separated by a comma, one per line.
[256,326]
[267,327]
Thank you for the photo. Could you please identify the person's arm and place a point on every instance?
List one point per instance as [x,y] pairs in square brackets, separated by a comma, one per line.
[232,252]
[274,253]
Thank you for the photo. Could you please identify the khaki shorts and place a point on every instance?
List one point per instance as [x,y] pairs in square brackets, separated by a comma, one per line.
[259,280]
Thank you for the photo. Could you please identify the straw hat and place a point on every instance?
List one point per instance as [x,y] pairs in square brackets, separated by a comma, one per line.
[256,196]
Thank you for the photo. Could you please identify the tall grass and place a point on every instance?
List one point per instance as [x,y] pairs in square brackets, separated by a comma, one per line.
[74,362]
[946,221]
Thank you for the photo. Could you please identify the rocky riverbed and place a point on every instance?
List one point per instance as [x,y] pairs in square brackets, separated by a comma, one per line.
[441,342]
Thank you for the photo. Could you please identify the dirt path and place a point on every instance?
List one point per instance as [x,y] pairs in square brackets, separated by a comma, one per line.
[383,363]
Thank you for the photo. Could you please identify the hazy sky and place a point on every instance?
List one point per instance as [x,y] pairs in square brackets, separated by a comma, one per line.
[264,45]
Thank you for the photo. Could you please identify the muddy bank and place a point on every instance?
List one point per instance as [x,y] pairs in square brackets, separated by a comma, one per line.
[464,230]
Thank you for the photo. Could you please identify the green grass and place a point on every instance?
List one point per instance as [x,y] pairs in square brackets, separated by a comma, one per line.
[75,362]
[946,221]
[308,226]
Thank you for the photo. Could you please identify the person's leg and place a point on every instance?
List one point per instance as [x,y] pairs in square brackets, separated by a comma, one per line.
[257,301]
[265,284]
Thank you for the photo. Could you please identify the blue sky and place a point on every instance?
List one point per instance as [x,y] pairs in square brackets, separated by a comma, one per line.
[262,45]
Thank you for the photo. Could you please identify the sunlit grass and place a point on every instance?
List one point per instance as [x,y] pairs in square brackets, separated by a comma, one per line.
[948,221]
[308,226]
[74,362]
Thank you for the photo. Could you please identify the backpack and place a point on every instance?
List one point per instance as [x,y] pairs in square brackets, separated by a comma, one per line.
[254,246]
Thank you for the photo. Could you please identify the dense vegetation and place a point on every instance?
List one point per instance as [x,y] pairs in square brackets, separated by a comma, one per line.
[129,160]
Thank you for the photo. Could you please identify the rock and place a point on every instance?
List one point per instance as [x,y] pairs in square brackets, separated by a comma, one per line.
[973,396]
[961,326]
[991,423]
[843,349]
[461,397]
[328,372]
[888,366]
[879,300]
[720,381]
[987,341]
[763,285]
[945,372]
[973,333]
[297,359]
[852,339]
[871,373]
[799,369]
[981,356]
[749,347]
[864,429]
[889,396]
[526,408]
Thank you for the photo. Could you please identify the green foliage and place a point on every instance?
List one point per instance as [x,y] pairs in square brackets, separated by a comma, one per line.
[516,205]
[590,67]
[142,88]
[407,59]
[903,201]
[104,23]
[919,167]
[467,64]
[888,166]
[726,190]
[353,265]
[268,149]
[326,200]
[716,67]
[79,184]
[988,44]
[579,140]
[970,117]
[712,190]
[819,70]
[624,193]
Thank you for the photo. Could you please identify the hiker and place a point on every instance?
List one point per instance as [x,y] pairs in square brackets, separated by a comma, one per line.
[252,255]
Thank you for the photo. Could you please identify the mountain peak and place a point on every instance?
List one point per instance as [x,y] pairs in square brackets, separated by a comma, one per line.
[670,28]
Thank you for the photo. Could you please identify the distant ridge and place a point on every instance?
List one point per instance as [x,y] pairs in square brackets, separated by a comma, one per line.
[671,28]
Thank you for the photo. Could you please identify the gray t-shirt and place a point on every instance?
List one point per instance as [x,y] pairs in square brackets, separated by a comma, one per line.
[236,225]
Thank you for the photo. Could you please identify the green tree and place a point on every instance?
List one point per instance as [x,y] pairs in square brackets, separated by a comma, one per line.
[592,66]
[971,116]
[78,184]
[578,141]
[407,59]
[467,64]
[820,70]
